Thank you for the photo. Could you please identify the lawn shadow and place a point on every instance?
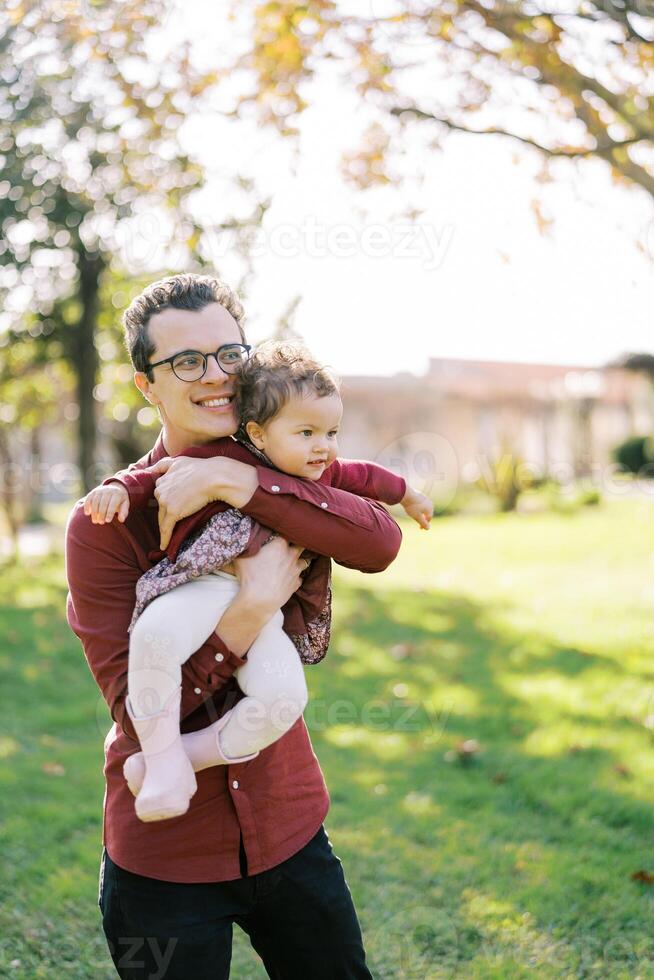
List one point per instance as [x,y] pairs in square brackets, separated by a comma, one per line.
[489,793]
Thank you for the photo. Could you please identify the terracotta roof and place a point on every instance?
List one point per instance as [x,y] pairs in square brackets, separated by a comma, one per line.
[483,381]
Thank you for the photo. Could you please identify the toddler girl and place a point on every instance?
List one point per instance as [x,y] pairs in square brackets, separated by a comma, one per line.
[290,412]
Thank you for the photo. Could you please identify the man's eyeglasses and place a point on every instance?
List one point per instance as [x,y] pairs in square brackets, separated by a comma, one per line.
[191,365]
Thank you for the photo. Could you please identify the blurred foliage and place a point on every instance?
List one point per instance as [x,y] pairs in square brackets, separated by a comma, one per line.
[91,160]
[505,478]
[126,419]
[36,386]
[505,68]
[636,455]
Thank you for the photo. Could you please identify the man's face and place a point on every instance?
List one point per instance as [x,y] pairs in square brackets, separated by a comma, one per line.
[187,417]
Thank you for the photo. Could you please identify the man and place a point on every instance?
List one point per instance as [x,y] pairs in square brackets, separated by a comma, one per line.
[252,848]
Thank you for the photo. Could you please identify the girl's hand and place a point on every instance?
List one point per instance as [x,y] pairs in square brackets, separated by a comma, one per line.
[103,503]
[419,507]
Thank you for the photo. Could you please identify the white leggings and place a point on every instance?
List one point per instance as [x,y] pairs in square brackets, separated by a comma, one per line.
[174,625]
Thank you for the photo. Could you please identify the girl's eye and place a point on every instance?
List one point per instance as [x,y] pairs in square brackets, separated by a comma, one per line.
[333,433]
[306,432]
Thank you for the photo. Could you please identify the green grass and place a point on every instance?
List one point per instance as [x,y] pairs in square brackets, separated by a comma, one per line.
[532,635]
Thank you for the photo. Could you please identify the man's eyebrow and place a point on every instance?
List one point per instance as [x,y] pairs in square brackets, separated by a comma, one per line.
[184,350]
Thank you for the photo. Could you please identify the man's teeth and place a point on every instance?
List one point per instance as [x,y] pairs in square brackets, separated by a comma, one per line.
[215,402]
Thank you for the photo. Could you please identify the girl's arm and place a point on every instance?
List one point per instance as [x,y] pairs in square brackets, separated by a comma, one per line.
[373,480]
[353,530]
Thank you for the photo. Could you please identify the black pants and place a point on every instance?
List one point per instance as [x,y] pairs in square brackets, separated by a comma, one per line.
[299,916]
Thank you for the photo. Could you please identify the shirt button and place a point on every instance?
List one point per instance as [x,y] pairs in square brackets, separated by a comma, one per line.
[235,784]
[275,488]
[219,657]
[324,504]
[197,690]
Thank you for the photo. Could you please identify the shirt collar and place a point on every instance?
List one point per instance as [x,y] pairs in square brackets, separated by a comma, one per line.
[158,451]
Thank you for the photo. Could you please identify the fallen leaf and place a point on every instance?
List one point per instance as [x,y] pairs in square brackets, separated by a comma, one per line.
[467,749]
[401,651]
[53,769]
[645,876]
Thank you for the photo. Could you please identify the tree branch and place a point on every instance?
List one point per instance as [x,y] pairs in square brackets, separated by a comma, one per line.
[496,131]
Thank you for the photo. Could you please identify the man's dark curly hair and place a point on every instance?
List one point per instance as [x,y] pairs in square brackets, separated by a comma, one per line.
[187,291]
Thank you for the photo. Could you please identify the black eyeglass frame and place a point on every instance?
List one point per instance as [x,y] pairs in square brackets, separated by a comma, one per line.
[212,353]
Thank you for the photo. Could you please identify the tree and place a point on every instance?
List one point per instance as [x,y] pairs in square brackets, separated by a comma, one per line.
[570,80]
[89,142]
[35,388]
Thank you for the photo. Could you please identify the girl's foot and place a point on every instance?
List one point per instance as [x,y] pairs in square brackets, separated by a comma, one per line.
[202,749]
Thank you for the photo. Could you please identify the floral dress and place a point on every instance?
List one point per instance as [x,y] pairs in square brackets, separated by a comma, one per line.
[224,537]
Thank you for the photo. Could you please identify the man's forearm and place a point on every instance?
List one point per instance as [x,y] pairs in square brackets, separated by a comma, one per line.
[352,530]
[242,622]
[236,483]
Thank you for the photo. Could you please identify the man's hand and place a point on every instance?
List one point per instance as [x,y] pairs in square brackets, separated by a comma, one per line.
[269,578]
[419,507]
[187,484]
[103,503]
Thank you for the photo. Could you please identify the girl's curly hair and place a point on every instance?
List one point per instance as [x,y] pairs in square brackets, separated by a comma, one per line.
[277,371]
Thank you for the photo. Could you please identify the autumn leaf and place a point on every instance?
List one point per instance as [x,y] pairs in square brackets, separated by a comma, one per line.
[643,876]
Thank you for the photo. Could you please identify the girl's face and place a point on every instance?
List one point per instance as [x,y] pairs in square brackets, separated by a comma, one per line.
[301,439]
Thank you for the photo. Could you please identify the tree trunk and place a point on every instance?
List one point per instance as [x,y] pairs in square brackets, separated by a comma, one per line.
[34,505]
[9,493]
[84,362]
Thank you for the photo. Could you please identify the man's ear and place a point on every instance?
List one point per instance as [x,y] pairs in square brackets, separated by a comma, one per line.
[255,433]
[145,387]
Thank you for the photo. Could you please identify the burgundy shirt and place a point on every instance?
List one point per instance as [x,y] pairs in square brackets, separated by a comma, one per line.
[360,477]
[277,801]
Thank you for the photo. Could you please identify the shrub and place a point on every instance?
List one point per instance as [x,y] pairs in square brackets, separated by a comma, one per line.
[636,455]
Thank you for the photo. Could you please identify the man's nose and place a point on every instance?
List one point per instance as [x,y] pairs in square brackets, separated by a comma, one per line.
[214,372]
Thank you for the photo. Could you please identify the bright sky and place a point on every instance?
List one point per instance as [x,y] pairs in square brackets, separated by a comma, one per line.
[471,276]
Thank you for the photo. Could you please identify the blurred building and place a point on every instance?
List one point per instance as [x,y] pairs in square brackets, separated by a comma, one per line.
[562,420]
[437,430]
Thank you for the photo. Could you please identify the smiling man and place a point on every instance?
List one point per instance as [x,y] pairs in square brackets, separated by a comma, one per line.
[252,848]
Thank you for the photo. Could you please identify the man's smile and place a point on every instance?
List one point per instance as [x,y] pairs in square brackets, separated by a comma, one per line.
[215,403]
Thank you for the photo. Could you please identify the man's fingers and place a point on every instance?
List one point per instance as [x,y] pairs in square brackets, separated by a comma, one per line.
[162,466]
[101,510]
[166,525]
